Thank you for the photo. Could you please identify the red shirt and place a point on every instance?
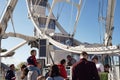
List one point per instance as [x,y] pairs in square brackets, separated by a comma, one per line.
[63,71]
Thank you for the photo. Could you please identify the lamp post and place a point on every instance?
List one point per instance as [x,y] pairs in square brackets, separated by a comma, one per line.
[0,43]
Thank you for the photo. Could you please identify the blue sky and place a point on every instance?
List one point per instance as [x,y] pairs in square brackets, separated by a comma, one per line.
[87,30]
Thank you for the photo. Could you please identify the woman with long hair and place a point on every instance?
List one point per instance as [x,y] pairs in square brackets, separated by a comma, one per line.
[55,73]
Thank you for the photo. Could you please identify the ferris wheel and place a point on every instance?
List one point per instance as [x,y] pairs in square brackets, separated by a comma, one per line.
[41,13]
[45,26]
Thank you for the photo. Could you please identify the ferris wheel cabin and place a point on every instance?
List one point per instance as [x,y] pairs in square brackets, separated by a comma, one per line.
[39,10]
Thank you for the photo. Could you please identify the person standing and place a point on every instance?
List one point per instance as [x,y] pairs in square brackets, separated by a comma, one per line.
[24,72]
[71,60]
[54,73]
[10,75]
[99,65]
[106,68]
[62,68]
[84,69]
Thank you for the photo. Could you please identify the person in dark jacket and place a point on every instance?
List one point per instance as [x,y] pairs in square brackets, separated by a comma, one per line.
[10,75]
[84,69]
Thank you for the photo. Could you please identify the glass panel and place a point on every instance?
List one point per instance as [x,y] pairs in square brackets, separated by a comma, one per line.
[42,22]
[43,3]
[42,48]
[40,2]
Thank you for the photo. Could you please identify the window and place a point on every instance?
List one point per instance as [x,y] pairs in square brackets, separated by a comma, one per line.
[42,22]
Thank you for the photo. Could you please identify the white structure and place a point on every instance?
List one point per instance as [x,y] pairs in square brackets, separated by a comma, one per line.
[45,25]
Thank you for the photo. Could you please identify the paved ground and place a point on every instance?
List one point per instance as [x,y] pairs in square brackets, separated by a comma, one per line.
[1,78]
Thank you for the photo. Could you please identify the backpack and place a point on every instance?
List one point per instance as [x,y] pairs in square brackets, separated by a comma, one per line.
[7,75]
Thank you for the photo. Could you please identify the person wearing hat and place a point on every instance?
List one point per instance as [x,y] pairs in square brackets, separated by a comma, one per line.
[84,69]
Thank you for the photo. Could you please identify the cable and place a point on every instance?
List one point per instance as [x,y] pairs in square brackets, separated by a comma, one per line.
[60,11]
[71,18]
[101,19]
[11,17]
[99,10]
[39,1]
[100,32]
[36,2]
[78,16]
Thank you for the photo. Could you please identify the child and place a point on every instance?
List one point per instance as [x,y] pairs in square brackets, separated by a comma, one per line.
[32,62]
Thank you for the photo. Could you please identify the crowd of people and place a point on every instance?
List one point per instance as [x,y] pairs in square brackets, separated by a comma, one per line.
[81,70]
